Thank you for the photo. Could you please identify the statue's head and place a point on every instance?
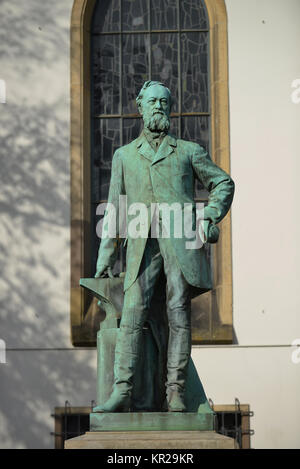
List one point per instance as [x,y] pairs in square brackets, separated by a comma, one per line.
[154,104]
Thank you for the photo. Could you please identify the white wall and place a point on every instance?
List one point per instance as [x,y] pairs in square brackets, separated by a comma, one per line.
[264,37]
[35,175]
[263,377]
[265,145]
[35,226]
[42,369]
[33,383]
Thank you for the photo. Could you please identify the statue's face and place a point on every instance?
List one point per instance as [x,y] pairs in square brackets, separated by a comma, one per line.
[155,108]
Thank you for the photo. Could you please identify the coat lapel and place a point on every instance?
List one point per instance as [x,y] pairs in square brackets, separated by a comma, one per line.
[144,148]
[166,148]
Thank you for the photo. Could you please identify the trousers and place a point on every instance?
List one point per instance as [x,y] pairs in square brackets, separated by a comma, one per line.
[158,255]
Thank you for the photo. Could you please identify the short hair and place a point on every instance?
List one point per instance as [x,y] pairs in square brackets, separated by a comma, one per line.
[146,85]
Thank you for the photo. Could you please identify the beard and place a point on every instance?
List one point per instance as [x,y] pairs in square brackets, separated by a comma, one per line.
[159,122]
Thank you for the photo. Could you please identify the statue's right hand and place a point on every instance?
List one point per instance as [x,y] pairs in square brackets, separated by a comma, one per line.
[104,271]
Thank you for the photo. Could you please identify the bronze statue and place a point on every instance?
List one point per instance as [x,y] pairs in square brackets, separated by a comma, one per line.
[158,168]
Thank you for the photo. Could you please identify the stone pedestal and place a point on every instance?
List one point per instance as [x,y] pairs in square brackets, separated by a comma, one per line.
[151,440]
[151,421]
[151,430]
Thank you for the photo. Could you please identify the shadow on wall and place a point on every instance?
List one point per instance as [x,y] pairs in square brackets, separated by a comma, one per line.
[33,383]
[34,227]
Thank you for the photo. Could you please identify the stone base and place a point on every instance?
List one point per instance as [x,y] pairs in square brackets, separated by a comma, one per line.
[151,440]
[151,421]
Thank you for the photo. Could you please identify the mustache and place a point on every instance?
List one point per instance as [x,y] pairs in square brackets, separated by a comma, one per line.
[162,113]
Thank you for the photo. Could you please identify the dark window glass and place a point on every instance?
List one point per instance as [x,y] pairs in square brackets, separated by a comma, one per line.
[135,68]
[164,14]
[194,72]
[106,74]
[106,142]
[107,16]
[196,129]
[193,15]
[135,15]
[174,126]
[131,129]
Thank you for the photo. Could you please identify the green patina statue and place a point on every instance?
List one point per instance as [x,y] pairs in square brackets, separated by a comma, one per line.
[160,168]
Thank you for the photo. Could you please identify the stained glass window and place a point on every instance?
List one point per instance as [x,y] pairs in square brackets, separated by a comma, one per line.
[138,40]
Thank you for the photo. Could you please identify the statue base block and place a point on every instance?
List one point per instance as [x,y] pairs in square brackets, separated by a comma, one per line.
[151,440]
[151,421]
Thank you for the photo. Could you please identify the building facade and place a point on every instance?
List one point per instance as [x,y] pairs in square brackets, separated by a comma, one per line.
[41,365]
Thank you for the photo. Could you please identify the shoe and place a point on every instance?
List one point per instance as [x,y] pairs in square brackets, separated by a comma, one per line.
[118,402]
[175,401]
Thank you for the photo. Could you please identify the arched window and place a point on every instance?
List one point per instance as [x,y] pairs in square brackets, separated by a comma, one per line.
[116,46]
